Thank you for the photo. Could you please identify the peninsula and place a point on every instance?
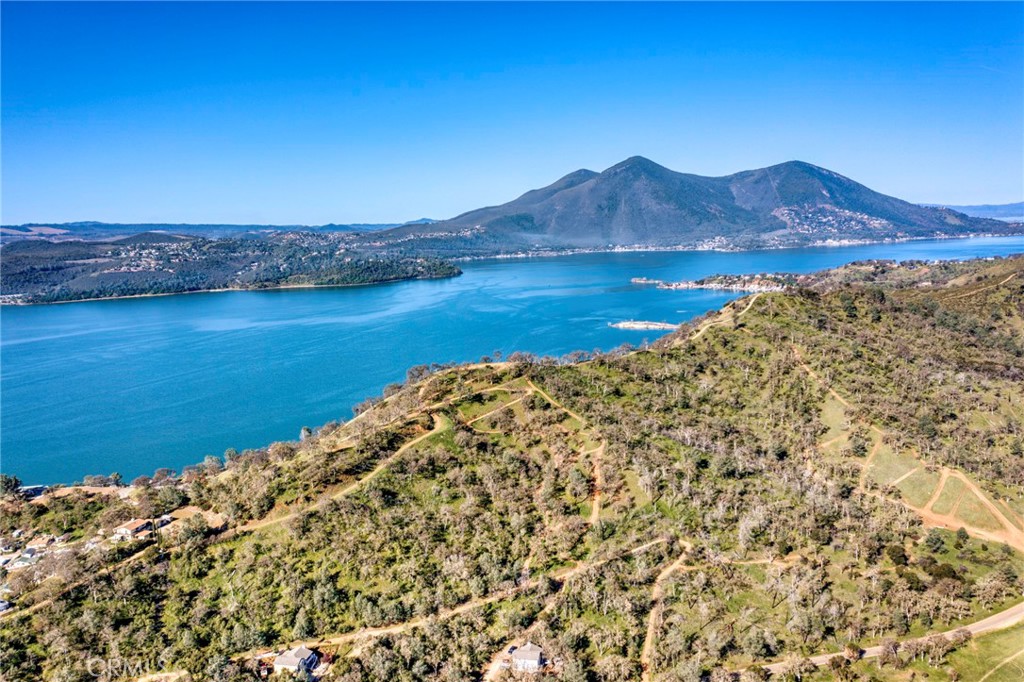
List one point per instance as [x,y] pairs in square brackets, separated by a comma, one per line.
[42,271]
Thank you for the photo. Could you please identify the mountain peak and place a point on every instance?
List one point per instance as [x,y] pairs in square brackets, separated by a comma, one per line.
[639,202]
[581,175]
[637,163]
[797,165]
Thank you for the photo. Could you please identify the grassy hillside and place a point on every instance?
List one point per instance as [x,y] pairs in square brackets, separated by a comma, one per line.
[804,473]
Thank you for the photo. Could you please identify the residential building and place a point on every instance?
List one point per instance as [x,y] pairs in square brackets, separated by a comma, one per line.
[299,658]
[528,658]
[132,529]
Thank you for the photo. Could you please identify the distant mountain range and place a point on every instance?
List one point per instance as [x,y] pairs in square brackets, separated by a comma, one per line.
[92,230]
[640,203]
[634,204]
[1012,212]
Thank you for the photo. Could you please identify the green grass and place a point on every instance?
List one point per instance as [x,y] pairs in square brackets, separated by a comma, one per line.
[984,421]
[888,465]
[919,487]
[836,447]
[1010,513]
[973,512]
[640,499]
[833,416]
[977,658]
[491,401]
[950,494]
[981,656]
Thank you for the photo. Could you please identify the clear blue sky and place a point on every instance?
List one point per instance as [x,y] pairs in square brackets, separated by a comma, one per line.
[324,112]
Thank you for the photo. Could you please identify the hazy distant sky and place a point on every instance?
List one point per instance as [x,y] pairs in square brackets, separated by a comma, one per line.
[315,113]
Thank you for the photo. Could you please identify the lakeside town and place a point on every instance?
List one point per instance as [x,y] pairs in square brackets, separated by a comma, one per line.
[739,283]
[31,556]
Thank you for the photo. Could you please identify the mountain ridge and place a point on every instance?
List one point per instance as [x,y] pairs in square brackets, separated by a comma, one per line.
[1013,211]
[638,202]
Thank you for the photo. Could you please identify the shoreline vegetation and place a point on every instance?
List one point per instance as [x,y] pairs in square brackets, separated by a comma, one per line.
[7,299]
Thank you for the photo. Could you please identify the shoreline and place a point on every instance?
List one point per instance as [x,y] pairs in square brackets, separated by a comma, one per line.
[525,256]
[356,417]
[225,290]
[689,248]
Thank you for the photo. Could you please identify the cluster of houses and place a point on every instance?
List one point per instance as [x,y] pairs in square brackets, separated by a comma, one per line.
[168,524]
[23,549]
[20,551]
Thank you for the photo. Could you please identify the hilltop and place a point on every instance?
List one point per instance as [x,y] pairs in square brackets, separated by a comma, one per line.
[640,203]
[825,471]
[1013,212]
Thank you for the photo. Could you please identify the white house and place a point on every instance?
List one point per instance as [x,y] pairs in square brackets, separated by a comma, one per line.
[299,658]
[132,529]
[528,658]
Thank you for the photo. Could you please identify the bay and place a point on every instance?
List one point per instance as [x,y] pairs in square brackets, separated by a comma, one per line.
[132,385]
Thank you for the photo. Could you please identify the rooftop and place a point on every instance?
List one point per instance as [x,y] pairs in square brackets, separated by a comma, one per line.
[528,652]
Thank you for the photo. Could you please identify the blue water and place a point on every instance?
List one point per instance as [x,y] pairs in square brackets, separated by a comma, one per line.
[133,385]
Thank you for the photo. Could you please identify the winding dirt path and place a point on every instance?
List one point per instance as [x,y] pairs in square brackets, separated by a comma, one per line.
[597,454]
[906,476]
[1009,659]
[493,667]
[978,291]
[937,493]
[720,320]
[78,583]
[498,409]
[999,621]
[832,441]
[440,424]
[356,636]
[657,595]
[1009,534]
[868,461]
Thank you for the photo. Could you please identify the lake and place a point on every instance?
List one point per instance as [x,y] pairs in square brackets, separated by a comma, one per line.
[136,384]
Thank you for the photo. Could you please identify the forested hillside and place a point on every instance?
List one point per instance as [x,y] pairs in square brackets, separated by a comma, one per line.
[830,469]
[40,271]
